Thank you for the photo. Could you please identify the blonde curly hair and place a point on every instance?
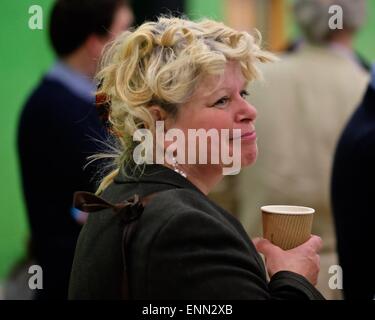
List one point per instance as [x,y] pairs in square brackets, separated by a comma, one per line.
[161,63]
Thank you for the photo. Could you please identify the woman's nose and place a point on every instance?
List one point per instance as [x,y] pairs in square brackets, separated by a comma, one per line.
[246,112]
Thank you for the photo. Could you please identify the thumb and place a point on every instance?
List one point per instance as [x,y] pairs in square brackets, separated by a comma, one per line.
[256,241]
[263,245]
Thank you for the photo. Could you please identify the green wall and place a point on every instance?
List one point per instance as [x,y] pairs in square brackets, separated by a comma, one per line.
[24,56]
[205,8]
[365,42]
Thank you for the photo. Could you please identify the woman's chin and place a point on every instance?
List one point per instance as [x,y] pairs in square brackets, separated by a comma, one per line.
[249,158]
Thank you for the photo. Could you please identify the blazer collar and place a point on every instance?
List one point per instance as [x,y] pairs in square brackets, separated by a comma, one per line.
[156,174]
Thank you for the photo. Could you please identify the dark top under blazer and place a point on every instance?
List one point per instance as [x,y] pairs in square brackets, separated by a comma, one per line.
[184,247]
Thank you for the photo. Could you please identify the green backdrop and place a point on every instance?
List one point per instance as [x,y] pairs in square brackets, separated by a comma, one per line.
[24,57]
[365,42]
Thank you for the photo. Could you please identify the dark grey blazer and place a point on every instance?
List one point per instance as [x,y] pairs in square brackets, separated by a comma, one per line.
[185,247]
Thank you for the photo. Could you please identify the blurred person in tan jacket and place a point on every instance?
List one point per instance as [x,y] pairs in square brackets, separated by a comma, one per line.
[303,105]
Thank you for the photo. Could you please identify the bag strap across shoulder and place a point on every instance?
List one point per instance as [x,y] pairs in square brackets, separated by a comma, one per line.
[89,202]
[130,211]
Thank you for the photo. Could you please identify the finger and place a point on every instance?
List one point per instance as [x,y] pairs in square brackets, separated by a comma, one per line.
[316,243]
[263,245]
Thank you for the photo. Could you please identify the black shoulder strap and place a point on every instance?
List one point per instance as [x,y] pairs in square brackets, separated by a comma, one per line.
[130,211]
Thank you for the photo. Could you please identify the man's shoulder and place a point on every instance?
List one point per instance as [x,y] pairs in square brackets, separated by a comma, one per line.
[49,93]
[361,127]
[49,88]
[52,103]
[357,142]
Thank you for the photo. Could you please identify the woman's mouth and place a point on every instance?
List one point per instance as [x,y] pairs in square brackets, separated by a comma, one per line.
[249,136]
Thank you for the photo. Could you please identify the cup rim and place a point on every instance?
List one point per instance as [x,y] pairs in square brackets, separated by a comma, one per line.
[287,209]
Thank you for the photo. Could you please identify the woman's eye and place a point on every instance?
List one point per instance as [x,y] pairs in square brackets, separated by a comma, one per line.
[221,102]
[244,94]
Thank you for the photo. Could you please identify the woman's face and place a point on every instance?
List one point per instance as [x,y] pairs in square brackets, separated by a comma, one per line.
[220,103]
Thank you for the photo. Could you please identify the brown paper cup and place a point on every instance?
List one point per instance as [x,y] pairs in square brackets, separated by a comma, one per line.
[287,226]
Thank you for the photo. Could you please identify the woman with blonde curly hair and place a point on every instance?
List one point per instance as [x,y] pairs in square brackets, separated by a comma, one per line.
[155,234]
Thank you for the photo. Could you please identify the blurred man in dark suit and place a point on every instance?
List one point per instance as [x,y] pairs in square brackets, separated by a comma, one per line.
[59,128]
[353,195]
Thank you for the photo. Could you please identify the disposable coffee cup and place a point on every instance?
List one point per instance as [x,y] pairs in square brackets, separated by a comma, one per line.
[287,226]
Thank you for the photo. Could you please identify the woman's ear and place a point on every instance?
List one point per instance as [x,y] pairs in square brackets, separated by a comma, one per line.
[158,113]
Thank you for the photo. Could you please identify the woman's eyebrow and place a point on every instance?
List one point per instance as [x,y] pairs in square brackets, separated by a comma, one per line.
[217,90]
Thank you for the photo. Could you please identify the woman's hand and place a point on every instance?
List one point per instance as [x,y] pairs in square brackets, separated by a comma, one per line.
[303,260]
